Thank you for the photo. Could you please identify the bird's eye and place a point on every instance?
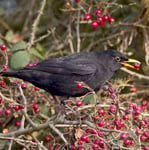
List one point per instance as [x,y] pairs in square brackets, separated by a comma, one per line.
[117,58]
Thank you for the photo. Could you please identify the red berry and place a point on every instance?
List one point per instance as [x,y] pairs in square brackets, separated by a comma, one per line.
[101,111]
[145,102]
[16,107]
[133,89]
[135,117]
[146,148]
[146,133]
[112,109]
[101,143]
[106,17]
[35,105]
[5,130]
[5,67]
[126,141]
[143,107]
[88,130]
[126,117]
[2,82]
[111,19]
[131,142]
[34,64]
[143,138]
[73,147]
[146,120]
[98,11]
[99,19]
[17,123]
[81,148]
[36,88]
[48,138]
[87,16]
[84,138]
[101,23]
[7,111]
[138,131]
[21,107]
[137,111]
[79,103]
[123,135]
[37,110]
[15,83]
[94,24]
[142,124]
[94,131]
[100,133]
[80,142]
[136,65]
[79,84]
[3,47]
[24,86]
[95,146]
[112,95]
[101,123]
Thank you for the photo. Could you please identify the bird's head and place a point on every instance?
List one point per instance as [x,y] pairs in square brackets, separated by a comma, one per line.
[115,60]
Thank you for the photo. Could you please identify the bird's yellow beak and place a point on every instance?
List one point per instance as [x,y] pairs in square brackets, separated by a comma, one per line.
[136,63]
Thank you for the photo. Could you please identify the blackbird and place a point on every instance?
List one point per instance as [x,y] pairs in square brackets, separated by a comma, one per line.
[60,76]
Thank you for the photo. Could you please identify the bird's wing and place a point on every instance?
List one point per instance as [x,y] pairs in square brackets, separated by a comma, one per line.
[67,68]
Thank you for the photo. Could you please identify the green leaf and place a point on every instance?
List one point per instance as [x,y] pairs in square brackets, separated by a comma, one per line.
[36,53]
[19,59]
[9,35]
[19,45]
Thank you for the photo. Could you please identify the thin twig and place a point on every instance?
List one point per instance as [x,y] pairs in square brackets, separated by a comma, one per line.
[35,24]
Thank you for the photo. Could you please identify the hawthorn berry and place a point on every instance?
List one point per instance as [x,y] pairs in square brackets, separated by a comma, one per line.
[21,107]
[79,103]
[101,23]
[126,141]
[16,107]
[145,102]
[5,130]
[101,123]
[5,67]
[112,109]
[146,148]
[3,47]
[24,86]
[48,138]
[7,111]
[131,142]
[87,16]
[106,17]
[146,133]
[101,111]
[134,89]
[112,95]
[123,135]
[77,1]
[99,19]
[138,131]
[136,65]
[95,146]
[143,138]
[15,83]
[143,107]
[146,120]
[2,82]
[81,148]
[84,138]
[101,143]
[79,84]
[17,123]
[37,110]
[126,117]
[111,19]
[98,11]
[80,142]
[73,147]
[100,133]
[36,88]
[35,105]
[142,124]
[94,24]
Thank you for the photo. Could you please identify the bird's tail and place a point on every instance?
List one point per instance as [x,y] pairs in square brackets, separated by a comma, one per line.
[9,73]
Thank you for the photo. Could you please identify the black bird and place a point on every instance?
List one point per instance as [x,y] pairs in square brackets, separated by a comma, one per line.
[59,76]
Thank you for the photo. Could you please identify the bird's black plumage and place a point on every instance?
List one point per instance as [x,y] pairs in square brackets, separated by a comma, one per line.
[59,76]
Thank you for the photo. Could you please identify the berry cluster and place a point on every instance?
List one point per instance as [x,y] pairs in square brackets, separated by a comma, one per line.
[36,108]
[100,20]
